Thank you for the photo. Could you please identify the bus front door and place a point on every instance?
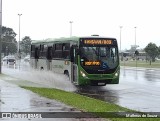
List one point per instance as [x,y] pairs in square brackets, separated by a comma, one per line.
[49,58]
[74,67]
[36,58]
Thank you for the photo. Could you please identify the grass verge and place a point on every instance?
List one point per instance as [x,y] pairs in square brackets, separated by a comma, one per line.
[141,64]
[86,104]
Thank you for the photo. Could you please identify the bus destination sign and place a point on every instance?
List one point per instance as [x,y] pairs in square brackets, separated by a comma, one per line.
[97,42]
[91,63]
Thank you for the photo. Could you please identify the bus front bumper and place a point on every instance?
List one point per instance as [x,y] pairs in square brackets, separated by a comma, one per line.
[98,79]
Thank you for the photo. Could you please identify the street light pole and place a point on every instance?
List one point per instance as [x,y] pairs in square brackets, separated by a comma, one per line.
[135,38]
[19,56]
[120,36]
[71,28]
[121,55]
[19,34]
[0,34]
[135,48]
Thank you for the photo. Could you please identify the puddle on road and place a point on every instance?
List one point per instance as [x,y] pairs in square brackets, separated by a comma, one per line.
[98,92]
[44,78]
[59,81]
[16,99]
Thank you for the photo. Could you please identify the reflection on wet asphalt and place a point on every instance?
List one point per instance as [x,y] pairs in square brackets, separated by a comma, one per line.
[16,99]
[138,89]
[98,92]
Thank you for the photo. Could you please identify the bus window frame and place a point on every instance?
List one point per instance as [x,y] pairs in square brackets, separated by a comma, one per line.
[49,54]
[66,50]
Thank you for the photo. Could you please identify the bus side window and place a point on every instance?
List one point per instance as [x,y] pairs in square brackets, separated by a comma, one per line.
[41,50]
[49,53]
[36,53]
[66,51]
[32,51]
[53,51]
[58,51]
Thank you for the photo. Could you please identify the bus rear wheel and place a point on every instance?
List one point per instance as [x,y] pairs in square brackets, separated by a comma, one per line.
[66,73]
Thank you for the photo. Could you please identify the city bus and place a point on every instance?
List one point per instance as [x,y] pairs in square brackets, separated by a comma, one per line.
[92,60]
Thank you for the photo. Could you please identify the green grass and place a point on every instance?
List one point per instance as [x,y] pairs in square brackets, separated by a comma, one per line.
[82,102]
[144,64]
[86,104]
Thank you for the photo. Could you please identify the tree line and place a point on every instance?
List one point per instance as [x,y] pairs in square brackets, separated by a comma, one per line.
[153,51]
[10,45]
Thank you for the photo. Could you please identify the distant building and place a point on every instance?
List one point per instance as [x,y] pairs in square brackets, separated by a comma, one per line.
[132,56]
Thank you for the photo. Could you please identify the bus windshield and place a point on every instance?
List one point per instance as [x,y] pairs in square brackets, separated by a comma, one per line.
[99,57]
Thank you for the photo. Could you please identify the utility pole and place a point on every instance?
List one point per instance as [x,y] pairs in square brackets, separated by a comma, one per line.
[0,35]
[71,28]
[120,36]
[135,39]
[19,55]
[121,54]
[135,48]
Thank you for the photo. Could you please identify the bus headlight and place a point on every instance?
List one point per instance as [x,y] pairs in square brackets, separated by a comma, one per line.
[116,74]
[83,74]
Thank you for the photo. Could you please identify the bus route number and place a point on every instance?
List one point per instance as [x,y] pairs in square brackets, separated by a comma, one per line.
[92,63]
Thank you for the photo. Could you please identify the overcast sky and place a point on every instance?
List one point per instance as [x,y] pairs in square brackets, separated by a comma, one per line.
[43,19]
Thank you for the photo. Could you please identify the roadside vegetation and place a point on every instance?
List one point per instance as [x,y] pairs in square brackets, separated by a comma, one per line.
[87,104]
[145,64]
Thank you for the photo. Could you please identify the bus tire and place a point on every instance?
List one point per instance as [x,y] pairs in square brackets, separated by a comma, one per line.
[41,68]
[66,73]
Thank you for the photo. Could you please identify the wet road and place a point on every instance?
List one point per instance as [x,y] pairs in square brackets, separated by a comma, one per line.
[139,88]
[14,99]
[19,103]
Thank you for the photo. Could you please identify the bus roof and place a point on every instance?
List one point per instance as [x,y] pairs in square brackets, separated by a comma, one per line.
[66,39]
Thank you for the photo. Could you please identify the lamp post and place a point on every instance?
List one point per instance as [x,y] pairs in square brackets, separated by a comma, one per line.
[19,34]
[121,55]
[70,27]
[135,47]
[0,32]
[120,36]
[135,38]
[19,56]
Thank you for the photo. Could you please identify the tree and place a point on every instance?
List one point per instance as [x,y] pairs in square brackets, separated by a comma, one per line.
[152,51]
[25,45]
[159,50]
[9,43]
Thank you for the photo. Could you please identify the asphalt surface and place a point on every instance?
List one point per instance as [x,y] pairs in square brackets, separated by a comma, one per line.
[16,99]
[139,88]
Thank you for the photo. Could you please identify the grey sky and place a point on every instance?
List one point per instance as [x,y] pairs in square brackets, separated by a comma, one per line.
[43,19]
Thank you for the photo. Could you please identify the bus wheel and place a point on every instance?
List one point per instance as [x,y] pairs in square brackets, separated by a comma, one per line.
[42,68]
[66,73]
